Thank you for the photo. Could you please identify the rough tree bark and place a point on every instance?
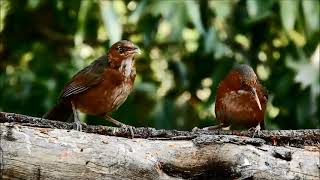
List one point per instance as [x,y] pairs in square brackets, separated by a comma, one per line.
[34,148]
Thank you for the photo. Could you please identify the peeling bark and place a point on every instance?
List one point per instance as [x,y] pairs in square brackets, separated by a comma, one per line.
[45,152]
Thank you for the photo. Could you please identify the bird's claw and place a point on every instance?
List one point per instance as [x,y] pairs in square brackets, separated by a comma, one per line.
[256,131]
[77,126]
[128,128]
[195,129]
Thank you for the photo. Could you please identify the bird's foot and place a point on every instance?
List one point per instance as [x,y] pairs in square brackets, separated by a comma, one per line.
[256,130]
[77,123]
[77,126]
[195,129]
[128,128]
[120,124]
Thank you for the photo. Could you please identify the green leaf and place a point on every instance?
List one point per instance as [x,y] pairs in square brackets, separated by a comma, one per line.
[163,7]
[83,13]
[210,40]
[307,75]
[221,8]
[180,73]
[253,8]
[149,26]
[4,9]
[177,21]
[288,13]
[111,21]
[33,4]
[173,12]
[194,14]
[258,9]
[164,113]
[307,71]
[135,16]
[311,14]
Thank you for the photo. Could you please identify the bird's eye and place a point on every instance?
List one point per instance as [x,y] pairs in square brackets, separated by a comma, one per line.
[121,49]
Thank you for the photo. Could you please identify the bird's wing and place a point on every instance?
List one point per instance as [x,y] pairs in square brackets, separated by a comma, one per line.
[86,78]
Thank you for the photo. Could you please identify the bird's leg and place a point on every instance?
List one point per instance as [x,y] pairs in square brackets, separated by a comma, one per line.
[77,123]
[120,124]
[257,130]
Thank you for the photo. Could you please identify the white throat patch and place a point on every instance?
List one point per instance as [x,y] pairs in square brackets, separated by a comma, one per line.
[126,67]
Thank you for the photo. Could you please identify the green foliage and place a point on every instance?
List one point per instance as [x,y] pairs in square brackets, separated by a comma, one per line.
[188,47]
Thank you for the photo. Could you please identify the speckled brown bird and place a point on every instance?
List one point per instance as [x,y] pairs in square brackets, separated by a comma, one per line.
[100,88]
[240,99]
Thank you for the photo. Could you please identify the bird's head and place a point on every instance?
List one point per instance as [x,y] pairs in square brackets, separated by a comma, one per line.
[122,50]
[243,78]
[246,76]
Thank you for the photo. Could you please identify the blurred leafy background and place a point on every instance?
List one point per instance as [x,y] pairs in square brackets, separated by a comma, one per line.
[188,47]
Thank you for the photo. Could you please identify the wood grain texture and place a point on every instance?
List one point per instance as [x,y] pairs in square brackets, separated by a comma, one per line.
[45,153]
[294,138]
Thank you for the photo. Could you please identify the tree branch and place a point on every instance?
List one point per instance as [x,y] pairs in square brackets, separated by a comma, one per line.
[44,153]
[295,138]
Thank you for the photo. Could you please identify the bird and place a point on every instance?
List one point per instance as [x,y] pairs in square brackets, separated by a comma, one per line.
[100,88]
[240,100]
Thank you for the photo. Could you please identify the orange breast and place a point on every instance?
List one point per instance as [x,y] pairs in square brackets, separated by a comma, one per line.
[238,108]
[105,97]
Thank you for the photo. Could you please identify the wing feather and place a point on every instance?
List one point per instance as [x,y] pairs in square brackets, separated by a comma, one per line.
[86,78]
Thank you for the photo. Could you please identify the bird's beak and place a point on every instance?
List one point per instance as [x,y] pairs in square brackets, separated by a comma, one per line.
[256,98]
[135,50]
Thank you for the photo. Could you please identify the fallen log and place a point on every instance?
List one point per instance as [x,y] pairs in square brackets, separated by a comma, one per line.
[35,148]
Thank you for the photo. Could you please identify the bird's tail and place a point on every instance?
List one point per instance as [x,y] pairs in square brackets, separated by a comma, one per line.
[61,112]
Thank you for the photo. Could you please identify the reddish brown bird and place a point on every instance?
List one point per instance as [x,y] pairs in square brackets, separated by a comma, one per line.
[241,100]
[99,88]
